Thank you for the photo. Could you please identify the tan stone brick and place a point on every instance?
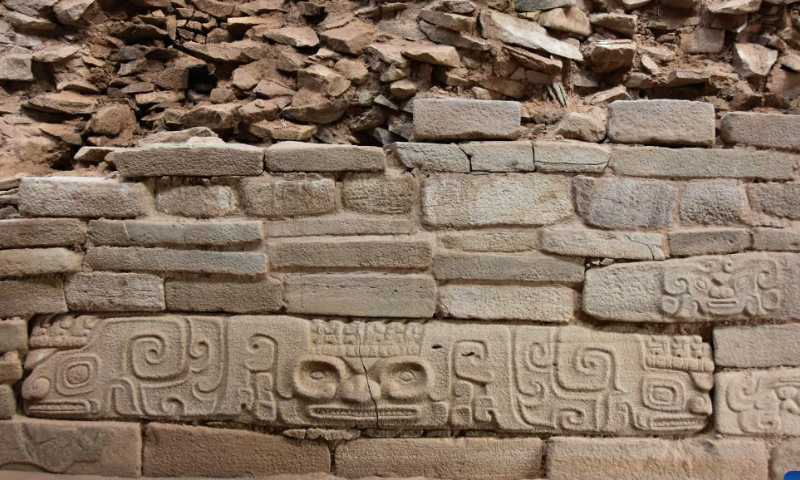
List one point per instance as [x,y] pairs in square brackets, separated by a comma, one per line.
[502,266]
[189,159]
[602,244]
[13,335]
[115,292]
[313,157]
[339,224]
[626,204]
[568,156]
[661,122]
[379,193]
[31,296]
[8,406]
[510,241]
[757,346]
[352,252]
[197,201]
[785,458]
[457,119]
[767,130]
[432,156]
[288,197]
[707,241]
[125,233]
[777,239]
[82,197]
[500,156]
[776,199]
[756,402]
[10,367]
[38,261]
[41,232]
[223,295]
[505,302]
[161,260]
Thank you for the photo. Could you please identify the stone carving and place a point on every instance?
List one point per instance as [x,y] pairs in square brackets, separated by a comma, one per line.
[62,331]
[765,402]
[291,372]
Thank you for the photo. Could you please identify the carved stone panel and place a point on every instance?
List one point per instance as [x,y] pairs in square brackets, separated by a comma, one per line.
[290,372]
[758,402]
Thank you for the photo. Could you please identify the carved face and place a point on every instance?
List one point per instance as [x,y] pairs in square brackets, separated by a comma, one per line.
[73,389]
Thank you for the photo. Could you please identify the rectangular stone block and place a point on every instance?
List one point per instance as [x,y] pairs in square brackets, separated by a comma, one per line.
[506,302]
[352,252]
[504,266]
[222,295]
[189,159]
[500,156]
[41,232]
[279,197]
[197,201]
[13,336]
[453,458]
[584,242]
[656,459]
[756,402]
[708,241]
[8,405]
[627,204]
[702,163]
[777,239]
[32,296]
[81,197]
[115,292]
[95,448]
[510,241]
[339,224]
[127,233]
[176,451]
[457,119]
[384,194]
[367,295]
[38,261]
[775,199]
[432,156]
[743,286]
[480,200]
[661,122]
[10,367]
[784,459]
[757,346]
[766,130]
[161,260]
[315,157]
[572,157]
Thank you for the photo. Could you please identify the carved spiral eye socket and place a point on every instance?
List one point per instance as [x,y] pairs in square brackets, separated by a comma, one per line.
[318,378]
[78,375]
[404,379]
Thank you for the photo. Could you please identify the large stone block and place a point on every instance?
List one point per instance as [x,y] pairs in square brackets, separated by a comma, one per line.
[757,402]
[757,346]
[777,239]
[96,448]
[161,260]
[458,119]
[711,203]
[81,197]
[775,199]
[573,157]
[313,157]
[128,233]
[453,458]
[707,241]
[41,232]
[432,156]
[115,292]
[31,296]
[370,193]
[38,261]
[504,266]
[509,241]
[661,122]
[224,295]
[352,252]
[743,286]
[623,203]
[784,458]
[507,302]
[289,372]
[13,336]
[288,197]
[584,242]
[656,459]
[197,201]
[480,200]
[767,130]
[176,451]
[10,367]
[340,224]
[189,159]
[500,156]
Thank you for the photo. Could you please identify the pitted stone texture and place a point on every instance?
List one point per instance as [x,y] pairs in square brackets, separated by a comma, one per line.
[775,199]
[432,156]
[365,295]
[197,201]
[766,130]
[369,193]
[744,286]
[160,260]
[96,448]
[510,241]
[41,232]
[711,203]
[13,336]
[500,156]
[623,203]
[456,119]
[757,346]
[784,458]
[756,402]
[656,459]
[481,200]
[38,261]
[311,157]
[189,159]
[340,224]
[572,157]
[10,367]
[507,302]
[454,458]
[8,404]
[175,450]
[584,242]
[81,197]
[124,233]
[702,163]
[504,266]
[661,122]
[115,292]
[31,296]
[288,197]
[777,239]
[707,241]
[352,252]
[224,295]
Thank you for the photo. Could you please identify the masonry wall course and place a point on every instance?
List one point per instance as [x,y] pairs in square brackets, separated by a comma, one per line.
[187,159]
[41,232]
[84,197]
[765,130]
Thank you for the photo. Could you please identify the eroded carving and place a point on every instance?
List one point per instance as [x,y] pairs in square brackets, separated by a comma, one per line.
[62,331]
[759,402]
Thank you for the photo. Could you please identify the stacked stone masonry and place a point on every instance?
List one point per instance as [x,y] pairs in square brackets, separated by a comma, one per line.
[472,305]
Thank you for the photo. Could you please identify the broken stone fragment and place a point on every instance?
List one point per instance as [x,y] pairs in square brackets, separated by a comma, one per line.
[616,22]
[570,20]
[282,130]
[216,117]
[55,53]
[732,6]
[353,70]
[703,40]
[534,5]
[310,106]
[351,38]
[449,37]
[539,63]
[681,78]
[524,33]
[458,23]
[16,67]
[611,55]
[75,13]
[444,55]
[322,79]
[241,51]
[580,126]
[301,37]
[753,60]
[63,102]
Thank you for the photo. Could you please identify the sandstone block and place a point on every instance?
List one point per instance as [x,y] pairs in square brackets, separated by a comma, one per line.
[189,159]
[766,130]
[278,197]
[197,201]
[8,403]
[366,295]
[757,346]
[744,286]
[661,122]
[777,239]
[573,157]
[95,448]
[432,156]
[656,459]
[707,241]
[123,233]
[369,193]
[455,119]
[504,266]
[623,203]
[519,199]
[584,242]
[510,241]
[13,336]
[81,197]
[500,156]
[784,458]
[776,199]
[756,402]
[115,292]
[41,232]
[311,157]
[224,295]
[711,203]
[159,260]
[341,224]
[501,302]
[38,261]
[455,458]
[10,367]
[353,252]
[31,296]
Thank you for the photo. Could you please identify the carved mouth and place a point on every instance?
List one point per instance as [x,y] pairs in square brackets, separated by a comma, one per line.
[349,413]
[61,408]
[678,423]
[724,305]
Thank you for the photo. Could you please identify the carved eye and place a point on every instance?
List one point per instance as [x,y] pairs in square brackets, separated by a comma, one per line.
[701,284]
[78,375]
[318,377]
[404,378]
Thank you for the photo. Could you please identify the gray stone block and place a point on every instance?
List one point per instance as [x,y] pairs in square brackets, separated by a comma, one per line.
[456,119]
[661,122]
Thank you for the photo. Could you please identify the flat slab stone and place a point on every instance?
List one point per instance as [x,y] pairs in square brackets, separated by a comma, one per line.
[339,224]
[602,244]
[754,402]
[26,262]
[661,122]
[312,157]
[777,239]
[239,295]
[572,157]
[504,266]
[41,232]
[766,130]
[757,346]
[500,156]
[506,302]
[524,33]
[115,292]
[189,159]
[125,233]
[81,197]
[708,241]
[432,156]
[508,241]
[31,296]
[161,260]
[456,119]
[358,252]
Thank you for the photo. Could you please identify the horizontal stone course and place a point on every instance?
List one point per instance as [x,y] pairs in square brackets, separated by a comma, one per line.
[279,197]
[500,156]
[30,296]
[115,292]
[160,260]
[756,402]
[602,244]
[38,261]
[766,130]
[375,253]
[707,241]
[506,302]
[504,266]
[13,336]
[312,157]
[197,201]
[224,295]
[661,122]
[432,156]
[338,225]
[572,157]
[189,159]
[508,241]
[455,119]
[124,233]
[41,232]
[757,346]
[777,239]
[775,199]
[85,197]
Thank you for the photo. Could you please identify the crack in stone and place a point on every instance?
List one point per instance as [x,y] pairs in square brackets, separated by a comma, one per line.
[366,378]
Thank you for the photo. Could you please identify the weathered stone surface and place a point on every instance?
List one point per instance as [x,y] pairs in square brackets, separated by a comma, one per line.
[81,197]
[777,239]
[443,55]
[189,159]
[224,295]
[753,60]
[370,193]
[574,157]
[757,346]
[767,130]
[288,197]
[69,103]
[16,67]
[456,119]
[775,199]
[175,450]
[524,33]
[579,126]
[756,402]
[197,201]
[702,163]
[661,122]
[366,295]
[584,242]
[38,261]
[612,55]
[126,233]
[711,203]
[97,448]
[115,292]
[656,459]
[31,296]
[501,302]
[351,38]
[432,156]
[10,367]
[707,241]
[160,260]
[312,157]
[41,232]
[8,403]
[626,204]
[340,224]
[703,40]
[500,156]
[784,458]
[516,199]
[510,241]
[358,252]
[503,266]
[537,373]
[458,458]
[13,335]
[745,286]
